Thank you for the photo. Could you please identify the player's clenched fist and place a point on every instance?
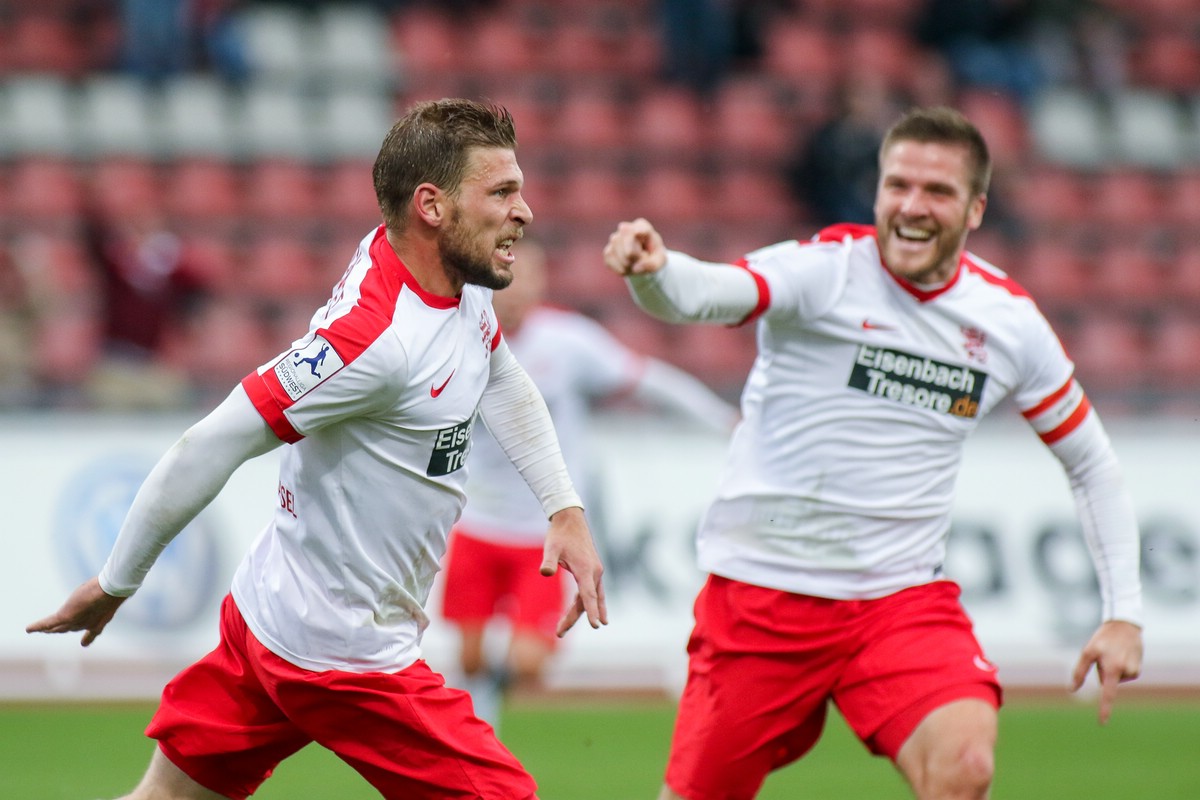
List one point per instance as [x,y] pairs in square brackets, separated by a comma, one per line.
[635,248]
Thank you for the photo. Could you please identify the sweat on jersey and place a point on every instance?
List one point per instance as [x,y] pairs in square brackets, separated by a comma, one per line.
[840,479]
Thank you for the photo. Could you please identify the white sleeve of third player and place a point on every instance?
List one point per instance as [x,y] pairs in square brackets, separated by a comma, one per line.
[689,290]
[182,483]
[669,387]
[1107,516]
[515,413]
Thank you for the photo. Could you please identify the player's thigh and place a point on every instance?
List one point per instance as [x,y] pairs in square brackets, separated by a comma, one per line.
[759,678]
[919,654]
[218,723]
[408,734]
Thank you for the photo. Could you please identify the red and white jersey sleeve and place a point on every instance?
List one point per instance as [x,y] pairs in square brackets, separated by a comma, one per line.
[378,400]
[841,477]
[573,361]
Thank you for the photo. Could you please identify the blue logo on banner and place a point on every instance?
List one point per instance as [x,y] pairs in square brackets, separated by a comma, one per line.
[184,581]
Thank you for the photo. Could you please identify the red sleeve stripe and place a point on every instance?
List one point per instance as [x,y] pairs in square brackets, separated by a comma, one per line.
[1071,423]
[1049,401]
[264,399]
[764,293]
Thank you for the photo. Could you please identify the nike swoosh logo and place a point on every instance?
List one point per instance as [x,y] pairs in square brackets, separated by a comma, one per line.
[983,664]
[874,326]
[434,391]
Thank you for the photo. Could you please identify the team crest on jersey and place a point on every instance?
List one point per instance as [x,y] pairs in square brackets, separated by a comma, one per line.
[450,447]
[917,381]
[485,327]
[301,371]
[974,342]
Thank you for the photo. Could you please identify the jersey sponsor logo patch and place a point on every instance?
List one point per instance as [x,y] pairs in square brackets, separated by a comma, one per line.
[450,446]
[301,371]
[918,381]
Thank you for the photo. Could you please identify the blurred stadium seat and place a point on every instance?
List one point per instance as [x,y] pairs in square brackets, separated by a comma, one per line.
[1096,185]
[114,117]
[39,116]
[1148,129]
[196,118]
[1068,126]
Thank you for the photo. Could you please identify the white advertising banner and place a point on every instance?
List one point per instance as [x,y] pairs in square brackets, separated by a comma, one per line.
[66,482]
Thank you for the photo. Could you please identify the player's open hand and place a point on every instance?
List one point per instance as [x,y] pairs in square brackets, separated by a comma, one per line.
[635,248]
[1116,650]
[88,609]
[569,545]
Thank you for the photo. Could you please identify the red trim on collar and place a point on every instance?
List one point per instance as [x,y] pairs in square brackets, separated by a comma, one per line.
[383,255]
[925,295]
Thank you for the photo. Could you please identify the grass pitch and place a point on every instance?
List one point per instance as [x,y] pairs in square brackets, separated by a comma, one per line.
[608,750]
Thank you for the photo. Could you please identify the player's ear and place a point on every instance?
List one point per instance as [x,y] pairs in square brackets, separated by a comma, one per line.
[430,204]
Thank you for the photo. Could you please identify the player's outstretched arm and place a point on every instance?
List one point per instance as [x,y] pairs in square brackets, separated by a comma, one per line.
[185,480]
[88,609]
[1116,651]
[569,545]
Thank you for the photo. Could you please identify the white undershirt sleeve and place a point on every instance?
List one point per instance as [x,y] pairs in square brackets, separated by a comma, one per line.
[515,413]
[690,290]
[182,483]
[1107,516]
[669,387]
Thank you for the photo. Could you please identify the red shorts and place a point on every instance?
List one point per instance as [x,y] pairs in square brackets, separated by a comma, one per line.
[228,719]
[484,579]
[764,664]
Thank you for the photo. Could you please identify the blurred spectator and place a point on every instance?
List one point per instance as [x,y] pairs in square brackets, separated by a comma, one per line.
[987,43]
[698,38]
[162,38]
[1081,43]
[147,288]
[835,172]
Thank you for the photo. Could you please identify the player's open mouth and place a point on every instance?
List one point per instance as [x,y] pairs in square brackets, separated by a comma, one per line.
[913,234]
[504,248]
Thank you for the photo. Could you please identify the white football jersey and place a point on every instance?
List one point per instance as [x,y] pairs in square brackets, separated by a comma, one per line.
[573,360]
[841,477]
[378,401]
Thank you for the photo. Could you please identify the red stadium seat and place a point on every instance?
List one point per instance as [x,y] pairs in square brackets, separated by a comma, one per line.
[46,193]
[427,38]
[1174,349]
[671,194]
[1127,273]
[802,53]
[203,192]
[123,187]
[1109,351]
[591,123]
[592,194]
[1052,271]
[1126,201]
[1050,200]
[282,191]
[753,195]
[667,122]
[347,196]
[748,123]
[280,265]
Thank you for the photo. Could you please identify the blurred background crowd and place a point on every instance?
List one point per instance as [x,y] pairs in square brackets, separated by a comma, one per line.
[182,181]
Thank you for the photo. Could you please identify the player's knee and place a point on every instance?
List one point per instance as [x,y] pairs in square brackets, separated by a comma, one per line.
[964,775]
